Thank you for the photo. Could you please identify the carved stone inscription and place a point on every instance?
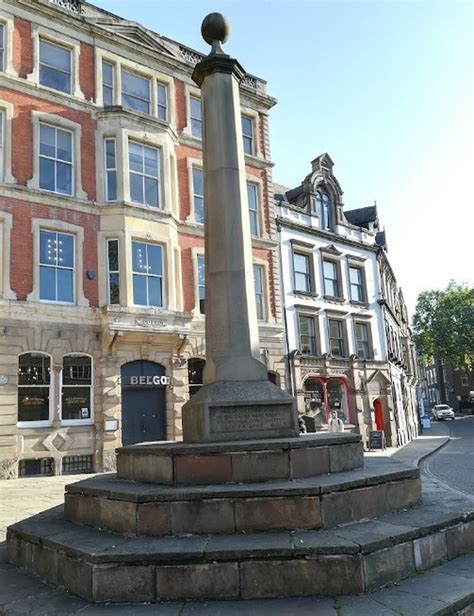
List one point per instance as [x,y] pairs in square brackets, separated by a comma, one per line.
[249,418]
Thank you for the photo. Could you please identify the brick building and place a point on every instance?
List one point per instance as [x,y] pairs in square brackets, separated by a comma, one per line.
[101,235]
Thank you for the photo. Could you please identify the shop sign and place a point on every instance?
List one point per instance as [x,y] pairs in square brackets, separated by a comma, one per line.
[147,381]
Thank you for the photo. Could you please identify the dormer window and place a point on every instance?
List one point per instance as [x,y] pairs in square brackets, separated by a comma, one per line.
[324,209]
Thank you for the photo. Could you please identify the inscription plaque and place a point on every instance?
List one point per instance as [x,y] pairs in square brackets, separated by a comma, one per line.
[249,418]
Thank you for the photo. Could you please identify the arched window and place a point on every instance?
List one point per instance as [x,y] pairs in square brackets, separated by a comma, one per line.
[76,398]
[34,381]
[324,209]
[195,372]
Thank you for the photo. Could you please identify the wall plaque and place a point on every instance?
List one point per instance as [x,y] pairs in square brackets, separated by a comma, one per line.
[249,419]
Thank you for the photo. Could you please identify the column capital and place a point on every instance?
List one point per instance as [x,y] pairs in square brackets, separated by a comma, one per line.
[217,63]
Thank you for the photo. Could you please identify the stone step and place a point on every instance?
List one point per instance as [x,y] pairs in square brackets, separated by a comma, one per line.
[360,557]
[177,463]
[316,502]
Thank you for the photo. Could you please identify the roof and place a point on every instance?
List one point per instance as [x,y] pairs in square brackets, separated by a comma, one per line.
[362,216]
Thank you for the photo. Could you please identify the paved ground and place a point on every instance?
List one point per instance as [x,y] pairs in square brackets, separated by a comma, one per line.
[431,594]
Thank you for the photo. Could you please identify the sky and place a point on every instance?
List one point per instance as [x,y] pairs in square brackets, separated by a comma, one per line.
[385,87]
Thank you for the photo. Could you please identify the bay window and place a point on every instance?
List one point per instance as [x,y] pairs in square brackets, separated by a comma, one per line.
[144,164]
[135,91]
[147,269]
[113,271]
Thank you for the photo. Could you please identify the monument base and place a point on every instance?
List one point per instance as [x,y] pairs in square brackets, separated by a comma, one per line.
[233,410]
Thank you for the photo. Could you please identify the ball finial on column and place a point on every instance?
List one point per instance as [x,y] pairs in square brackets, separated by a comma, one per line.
[215,30]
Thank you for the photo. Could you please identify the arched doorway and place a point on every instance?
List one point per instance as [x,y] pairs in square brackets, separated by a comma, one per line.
[143,402]
[378,412]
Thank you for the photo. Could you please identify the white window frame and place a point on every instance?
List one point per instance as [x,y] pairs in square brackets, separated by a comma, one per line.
[256,187]
[190,91]
[56,121]
[46,422]
[56,267]
[57,160]
[108,170]
[43,64]
[143,175]
[6,175]
[107,241]
[254,116]
[147,100]
[58,226]
[55,38]
[261,266]
[155,77]
[163,274]
[113,66]
[76,422]
[8,26]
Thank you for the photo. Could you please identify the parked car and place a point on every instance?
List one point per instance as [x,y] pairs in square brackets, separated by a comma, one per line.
[443,411]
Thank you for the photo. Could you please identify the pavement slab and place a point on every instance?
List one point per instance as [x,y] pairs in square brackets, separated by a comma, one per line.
[362,606]
[273,607]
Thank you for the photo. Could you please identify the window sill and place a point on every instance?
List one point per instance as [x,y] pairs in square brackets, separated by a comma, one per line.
[309,294]
[21,425]
[356,302]
[335,299]
[76,422]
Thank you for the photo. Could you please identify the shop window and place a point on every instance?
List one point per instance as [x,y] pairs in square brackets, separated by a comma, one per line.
[34,382]
[259,289]
[195,114]
[29,468]
[76,398]
[144,164]
[56,167]
[147,265]
[108,70]
[314,401]
[56,267]
[110,170]
[55,66]
[201,271]
[113,271]
[252,195]
[337,398]
[135,92]
[247,134]
[195,374]
[72,465]
[198,195]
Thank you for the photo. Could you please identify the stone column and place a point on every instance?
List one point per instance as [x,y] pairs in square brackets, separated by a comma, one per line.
[237,400]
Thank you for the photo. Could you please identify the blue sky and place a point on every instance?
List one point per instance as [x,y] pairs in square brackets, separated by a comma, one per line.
[386,88]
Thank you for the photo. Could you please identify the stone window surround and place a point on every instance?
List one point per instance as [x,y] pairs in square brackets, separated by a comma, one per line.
[258,182]
[168,176]
[6,222]
[337,262]
[359,263]
[52,392]
[169,268]
[366,320]
[312,313]
[195,253]
[40,33]
[305,249]
[190,91]
[263,265]
[6,172]
[37,118]
[8,26]
[190,163]
[58,226]
[155,77]
[77,422]
[253,115]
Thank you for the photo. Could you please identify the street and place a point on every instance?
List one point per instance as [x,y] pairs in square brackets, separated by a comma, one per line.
[453,464]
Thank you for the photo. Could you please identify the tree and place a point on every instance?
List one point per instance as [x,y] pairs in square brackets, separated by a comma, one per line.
[444,325]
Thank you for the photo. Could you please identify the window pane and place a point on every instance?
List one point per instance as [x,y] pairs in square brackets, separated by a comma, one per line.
[33,403]
[56,56]
[65,285]
[196,108]
[198,181]
[162,96]
[136,188]
[139,290]
[47,283]
[107,74]
[34,369]
[77,370]
[111,186]
[154,292]
[47,140]
[355,275]
[155,265]
[64,145]
[196,128]
[135,156]
[110,153]
[48,248]
[199,210]
[330,269]
[107,96]
[139,257]
[135,92]
[113,255]
[114,288]
[76,403]
[301,282]
[151,192]
[66,250]
[64,178]
[151,161]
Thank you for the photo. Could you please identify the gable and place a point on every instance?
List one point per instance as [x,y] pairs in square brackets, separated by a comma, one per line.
[137,34]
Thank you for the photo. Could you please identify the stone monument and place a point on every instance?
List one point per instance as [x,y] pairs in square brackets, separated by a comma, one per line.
[237,400]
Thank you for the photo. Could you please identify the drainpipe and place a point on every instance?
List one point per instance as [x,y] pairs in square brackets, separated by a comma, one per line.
[283,305]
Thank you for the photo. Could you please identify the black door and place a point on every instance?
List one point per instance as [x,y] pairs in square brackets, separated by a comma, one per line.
[143,402]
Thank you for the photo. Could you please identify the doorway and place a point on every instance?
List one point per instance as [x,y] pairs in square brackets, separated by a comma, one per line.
[378,412]
[143,402]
